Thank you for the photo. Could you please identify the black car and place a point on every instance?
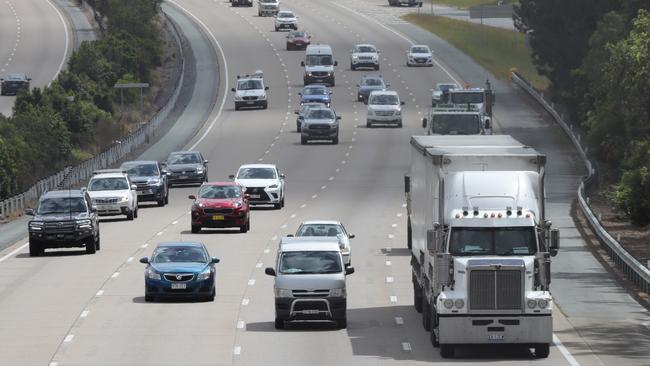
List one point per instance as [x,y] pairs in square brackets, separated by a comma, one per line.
[13,83]
[150,179]
[63,219]
[368,84]
[186,167]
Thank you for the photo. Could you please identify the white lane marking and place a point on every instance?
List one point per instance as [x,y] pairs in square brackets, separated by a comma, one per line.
[84,314]
[53,363]
[393,298]
[399,214]
[68,338]
[403,204]
[323,187]
[565,352]
[251,282]
[159,233]
[399,35]
[293,216]
[14,252]
[331,179]
[226,78]
[115,275]
[241,324]
[393,225]
[399,320]
[267,250]
[303,205]
[259,265]
[391,236]
[99,293]
[245,301]
[314,196]
[237,350]
[389,263]
[406,347]
[390,280]
[67,41]
[174,222]
[144,245]
[129,260]
[284,226]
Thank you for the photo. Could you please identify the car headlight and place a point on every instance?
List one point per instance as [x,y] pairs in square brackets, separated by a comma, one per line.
[262,97]
[345,251]
[200,170]
[459,303]
[124,199]
[337,292]
[531,303]
[36,225]
[283,292]
[371,112]
[398,112]
[154,181]
[238,98]
[237,204]
[542,303]
[204,275]
[273,186]
[448,303]
[83,224]
[152,275]
[355,56]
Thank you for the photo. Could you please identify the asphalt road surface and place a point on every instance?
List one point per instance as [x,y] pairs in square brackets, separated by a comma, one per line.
[34,40]
[67,308]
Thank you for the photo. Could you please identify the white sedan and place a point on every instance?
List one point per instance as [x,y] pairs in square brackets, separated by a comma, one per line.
[286,20]
[419,55]
[329,228]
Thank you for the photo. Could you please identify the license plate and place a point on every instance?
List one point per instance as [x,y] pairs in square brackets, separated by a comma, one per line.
[495,337]
[140,193]
[310,311]
[217,217]
[179,286]
[183,177]
[249,103]
[255,196]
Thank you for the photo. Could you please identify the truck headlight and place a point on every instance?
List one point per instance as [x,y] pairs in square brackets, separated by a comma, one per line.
[152,275]
[204,275]
[371,112]
[542,303]
[238,98]
[83,224]
[459,303]
[337,292]
[283,292]
[355,56]
[398,112]
[36,225]
[448,303]
[531,303]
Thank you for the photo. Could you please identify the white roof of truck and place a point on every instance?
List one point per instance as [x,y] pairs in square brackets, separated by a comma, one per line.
[471,145]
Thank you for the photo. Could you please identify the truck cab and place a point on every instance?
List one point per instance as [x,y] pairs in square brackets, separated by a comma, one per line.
[456,120]
[310,281]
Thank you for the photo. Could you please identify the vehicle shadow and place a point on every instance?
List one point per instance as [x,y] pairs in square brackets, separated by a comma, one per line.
[292,326]
[52,253]
[396,252]
[263,208]
[168,300]
[185,185]
[208,231]
[113,219]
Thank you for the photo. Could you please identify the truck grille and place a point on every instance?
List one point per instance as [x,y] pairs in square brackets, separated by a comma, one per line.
[106,201]
[179,277]
[384,113]
[314,293]
[218,210]
[319,126]
[495,290]
[320,73]
[59,227]
[250,98]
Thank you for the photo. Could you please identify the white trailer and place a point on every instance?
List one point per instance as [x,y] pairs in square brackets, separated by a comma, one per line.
[480,242]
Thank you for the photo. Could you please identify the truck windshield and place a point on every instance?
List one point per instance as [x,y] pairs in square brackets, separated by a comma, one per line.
[464,98]
[456,124]
[492,241]
[319,60]
[310,262]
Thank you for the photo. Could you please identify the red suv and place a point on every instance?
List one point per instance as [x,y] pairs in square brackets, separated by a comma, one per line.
[220,205]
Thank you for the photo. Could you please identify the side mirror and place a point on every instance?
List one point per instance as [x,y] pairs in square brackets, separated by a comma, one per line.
[351,236]
[407,184]
[336,63]
[282,176]
[487,124]
[331,93]
[302,63]
[205,162]
[387,85]
[231,176]
[270,271]
[29,212]
[134,187]
[192,197]
[299,93]
[431,240]
[349,270]
[401,102]
[555,242]
[424,122]
[358,86]
[290,236]
[233,89]
[215,260]
[144,260]
[266,88]
[338,118]
[296,112]
[247,196]
[163,171]
[93,208]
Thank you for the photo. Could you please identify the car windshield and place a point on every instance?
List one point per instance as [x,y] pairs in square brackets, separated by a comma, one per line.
[319,60]
[285,15]
[310,262]
[220,192]
[384,99]
[250,84]
[108,184]
[298,34]
[320,230]
[492,241]
[464,98]
[365,49]
[456,124]
[256,173]
[183,158]
[314,91]
[320,114]
[141,170]
[267,1]
[419,50]
[372,82]
[181,254]
[61,205]
[15,77]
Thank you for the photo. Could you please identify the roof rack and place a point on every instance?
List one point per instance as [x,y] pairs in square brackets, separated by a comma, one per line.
[107,171]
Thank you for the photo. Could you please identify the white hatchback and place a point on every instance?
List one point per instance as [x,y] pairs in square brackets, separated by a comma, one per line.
[419,55]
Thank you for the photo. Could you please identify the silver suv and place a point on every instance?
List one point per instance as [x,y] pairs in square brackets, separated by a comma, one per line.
[310,281]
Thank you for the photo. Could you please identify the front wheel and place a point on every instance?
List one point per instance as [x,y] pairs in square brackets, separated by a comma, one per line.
[149,298]
[298,126]
[279,323]
[447,350]
[91,246]
[542,350]
[335,140]
[303,140]
[342,323]
[417,296]
[196,229]
[409,234]
[130,215]
[426,314]
[35,248]
[161,202]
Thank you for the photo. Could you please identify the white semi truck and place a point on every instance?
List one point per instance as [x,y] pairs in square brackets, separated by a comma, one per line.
[474,99]
[480,242]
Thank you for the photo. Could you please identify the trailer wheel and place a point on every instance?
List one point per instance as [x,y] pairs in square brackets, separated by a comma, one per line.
[447,350]
[426,314]
[409,235]
[417,295]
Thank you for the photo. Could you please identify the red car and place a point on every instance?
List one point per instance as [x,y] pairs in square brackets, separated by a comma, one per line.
[298,40]
[220,205]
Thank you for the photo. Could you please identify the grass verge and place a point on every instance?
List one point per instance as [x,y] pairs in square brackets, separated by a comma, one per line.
[498,50]
[463,4]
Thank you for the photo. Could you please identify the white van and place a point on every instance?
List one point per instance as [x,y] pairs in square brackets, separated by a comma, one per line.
[319,64]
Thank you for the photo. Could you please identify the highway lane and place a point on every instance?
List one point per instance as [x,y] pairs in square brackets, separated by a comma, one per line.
[34,40]
[96,313]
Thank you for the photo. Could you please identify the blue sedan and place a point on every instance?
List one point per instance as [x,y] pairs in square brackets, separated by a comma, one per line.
[180,269]
[316,93]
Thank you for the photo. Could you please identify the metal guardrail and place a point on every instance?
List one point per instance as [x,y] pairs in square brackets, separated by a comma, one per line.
[71,176]
[633,269]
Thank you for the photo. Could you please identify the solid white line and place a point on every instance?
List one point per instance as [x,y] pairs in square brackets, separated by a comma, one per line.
[144,245]
[14,252]
[225,68]
[67,41]
[241,324]
[68,338]
[399,35]
[53,363]
[565,352]
[129,260]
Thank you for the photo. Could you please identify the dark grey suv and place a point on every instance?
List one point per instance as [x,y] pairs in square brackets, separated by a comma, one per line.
[185,167]
[63,219]
[150,179]
[320,123]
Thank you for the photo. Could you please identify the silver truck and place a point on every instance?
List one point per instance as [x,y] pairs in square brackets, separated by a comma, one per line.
[310,281]
[268,7]
[480,242]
